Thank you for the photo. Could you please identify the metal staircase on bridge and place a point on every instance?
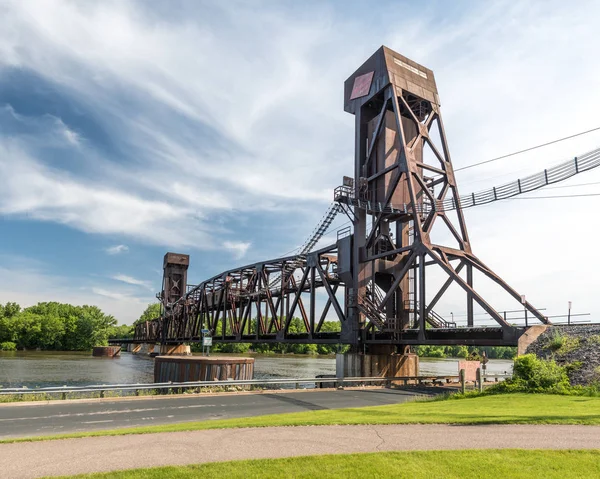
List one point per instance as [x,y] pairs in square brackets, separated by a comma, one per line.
[370,303]
[321,228]
[307,247]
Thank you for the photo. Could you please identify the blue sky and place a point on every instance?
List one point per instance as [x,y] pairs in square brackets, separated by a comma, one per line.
[128,129]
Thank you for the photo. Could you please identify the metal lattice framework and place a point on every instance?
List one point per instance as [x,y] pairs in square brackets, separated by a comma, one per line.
[374,280]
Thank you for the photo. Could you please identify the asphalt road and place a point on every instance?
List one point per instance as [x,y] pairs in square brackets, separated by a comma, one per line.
[56,417]
[30,460]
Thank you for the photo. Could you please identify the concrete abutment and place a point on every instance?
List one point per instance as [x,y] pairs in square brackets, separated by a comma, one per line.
[382,361]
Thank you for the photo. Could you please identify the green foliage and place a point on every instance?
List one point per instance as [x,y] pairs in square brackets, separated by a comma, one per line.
[595,339]
[151,312]
[534,375]
[555,342]
[574,366]
[492,352]
[123,331]
[8,346]
[431,351]
[296,326]
[55,326]
[562,344]
[538,373]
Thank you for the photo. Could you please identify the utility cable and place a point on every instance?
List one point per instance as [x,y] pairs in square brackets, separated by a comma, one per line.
[526,149]
[555,196]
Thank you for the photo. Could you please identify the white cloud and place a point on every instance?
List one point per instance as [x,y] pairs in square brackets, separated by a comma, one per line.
[133,281]
[18,280]
[38,192]
[239,248]
[117,249]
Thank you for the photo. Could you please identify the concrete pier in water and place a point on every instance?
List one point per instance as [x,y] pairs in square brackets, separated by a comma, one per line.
[151,349]
[382,361]
[202,368]
[106,351]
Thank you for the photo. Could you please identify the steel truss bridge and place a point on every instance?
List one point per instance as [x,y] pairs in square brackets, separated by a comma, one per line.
[374,279]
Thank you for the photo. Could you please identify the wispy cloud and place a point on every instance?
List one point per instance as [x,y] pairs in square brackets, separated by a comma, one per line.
[133,281]
[17,280]
[239,248]
[117,249]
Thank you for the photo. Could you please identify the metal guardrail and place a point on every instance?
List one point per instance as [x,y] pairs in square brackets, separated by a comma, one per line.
[248,382]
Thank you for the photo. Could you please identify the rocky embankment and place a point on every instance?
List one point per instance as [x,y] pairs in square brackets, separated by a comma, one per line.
[577,347]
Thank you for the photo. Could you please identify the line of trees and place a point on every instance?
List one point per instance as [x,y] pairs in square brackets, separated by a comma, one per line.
[56,326]
[492,352]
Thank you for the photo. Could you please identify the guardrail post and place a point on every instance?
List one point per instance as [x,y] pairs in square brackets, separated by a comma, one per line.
[461,375]
[63,396]
[479,380]
[102,393]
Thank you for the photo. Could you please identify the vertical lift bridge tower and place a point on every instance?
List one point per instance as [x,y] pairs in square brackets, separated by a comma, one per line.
[402,175]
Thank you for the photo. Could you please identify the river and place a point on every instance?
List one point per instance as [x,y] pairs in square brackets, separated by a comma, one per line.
[54,368]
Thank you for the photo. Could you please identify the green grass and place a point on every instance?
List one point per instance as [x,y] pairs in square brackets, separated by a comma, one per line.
[415,465]
[496,409]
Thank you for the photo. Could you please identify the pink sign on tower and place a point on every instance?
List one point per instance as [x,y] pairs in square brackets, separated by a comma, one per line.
[362,85]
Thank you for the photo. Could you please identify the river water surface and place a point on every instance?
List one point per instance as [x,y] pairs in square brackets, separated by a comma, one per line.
[52,368]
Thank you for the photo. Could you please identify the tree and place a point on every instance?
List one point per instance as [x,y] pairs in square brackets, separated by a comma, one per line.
[56,326]
[150,313]
[120,332]
[11,310]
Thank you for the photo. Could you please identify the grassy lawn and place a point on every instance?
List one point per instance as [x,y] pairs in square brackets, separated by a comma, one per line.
[498,409]
[447,464]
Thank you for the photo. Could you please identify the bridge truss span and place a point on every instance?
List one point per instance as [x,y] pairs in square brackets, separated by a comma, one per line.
[256,303]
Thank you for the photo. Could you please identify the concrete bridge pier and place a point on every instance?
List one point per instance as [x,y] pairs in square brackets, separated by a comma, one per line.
[379,361]
[152,349]
[172,349]
[529,336]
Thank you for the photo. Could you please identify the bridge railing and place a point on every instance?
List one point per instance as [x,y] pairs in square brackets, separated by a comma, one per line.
[181,386]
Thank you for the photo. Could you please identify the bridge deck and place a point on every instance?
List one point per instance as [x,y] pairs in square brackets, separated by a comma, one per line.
[481,336]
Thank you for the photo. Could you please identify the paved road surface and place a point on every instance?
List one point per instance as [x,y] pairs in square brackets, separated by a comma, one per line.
[72,416]
[95,454]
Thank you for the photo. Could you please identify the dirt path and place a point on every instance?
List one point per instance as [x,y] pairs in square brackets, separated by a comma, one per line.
[77,456]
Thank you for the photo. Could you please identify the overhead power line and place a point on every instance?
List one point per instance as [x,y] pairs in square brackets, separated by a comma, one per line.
[573,186]
[527,149]
[555,196]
